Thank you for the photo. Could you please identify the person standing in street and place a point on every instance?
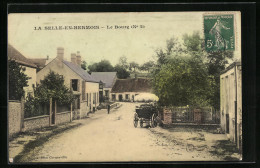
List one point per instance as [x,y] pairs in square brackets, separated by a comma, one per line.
[108,109]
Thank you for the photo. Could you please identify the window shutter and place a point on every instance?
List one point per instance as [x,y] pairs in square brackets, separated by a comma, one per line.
[83,90]
[71,84]
[78,85]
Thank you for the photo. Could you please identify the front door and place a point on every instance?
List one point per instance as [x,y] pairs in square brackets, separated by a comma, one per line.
[120,97]
[227,123]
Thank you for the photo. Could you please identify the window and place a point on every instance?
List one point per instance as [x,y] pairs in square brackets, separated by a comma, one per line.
[113,97]
[127,96]
[94,98]
[74,84]
[106,93]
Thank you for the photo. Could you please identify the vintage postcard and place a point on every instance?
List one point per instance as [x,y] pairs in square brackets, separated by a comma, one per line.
[124,87]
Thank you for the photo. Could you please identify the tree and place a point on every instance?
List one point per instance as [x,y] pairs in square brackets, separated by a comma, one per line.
[17,80]
[122,73]
[133,65]
[187,74]
[214,61]
[147,66]
[52,86]
[84,65]
[123,62]
[183,81]
[102,66]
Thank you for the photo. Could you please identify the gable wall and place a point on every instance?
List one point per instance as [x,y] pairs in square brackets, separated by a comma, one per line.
[61,69]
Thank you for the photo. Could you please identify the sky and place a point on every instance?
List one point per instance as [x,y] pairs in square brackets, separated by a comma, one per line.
[137,44]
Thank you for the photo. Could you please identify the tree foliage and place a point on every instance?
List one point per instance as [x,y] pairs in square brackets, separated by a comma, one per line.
[122,73]
[102,66]
[17,80]
[185,74]
[147,66]
[84,65]
[52,86]
[133,66]
[183,81]
[123,62]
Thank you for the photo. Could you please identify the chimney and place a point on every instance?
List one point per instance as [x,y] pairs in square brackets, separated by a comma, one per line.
[60,53]
[78,59]
[47,57]
[73,58]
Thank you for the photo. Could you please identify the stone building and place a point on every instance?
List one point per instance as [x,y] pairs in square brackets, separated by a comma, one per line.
[30,68]
[83,85]
[127,89]
[108,79]
[40,62]
[231,102]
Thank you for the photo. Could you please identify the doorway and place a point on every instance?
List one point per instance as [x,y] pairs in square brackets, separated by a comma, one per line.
[120,97]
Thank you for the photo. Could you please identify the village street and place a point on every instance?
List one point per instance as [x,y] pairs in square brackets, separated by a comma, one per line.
[112,137]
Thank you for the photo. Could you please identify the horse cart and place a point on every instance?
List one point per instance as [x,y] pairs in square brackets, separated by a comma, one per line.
[146,113]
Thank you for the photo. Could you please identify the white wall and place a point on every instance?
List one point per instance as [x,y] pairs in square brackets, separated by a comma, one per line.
[30,72]
[69,74]
[231,91]
[124,95]
[91,90]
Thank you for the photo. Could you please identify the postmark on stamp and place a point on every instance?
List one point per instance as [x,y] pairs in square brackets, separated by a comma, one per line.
[219,32]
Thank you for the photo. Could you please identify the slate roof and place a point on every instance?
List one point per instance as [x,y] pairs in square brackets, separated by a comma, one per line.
[40,62]
[81,72]
[106,77]
[14,54]
[132,85]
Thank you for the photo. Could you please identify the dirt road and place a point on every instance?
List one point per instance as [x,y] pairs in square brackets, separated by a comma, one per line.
[112,137]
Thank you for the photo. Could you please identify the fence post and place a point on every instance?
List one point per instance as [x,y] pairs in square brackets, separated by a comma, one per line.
[55,111]
[70,112]
[22,114]
[50,110]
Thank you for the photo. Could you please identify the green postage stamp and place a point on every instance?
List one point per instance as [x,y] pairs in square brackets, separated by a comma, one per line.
[219,32]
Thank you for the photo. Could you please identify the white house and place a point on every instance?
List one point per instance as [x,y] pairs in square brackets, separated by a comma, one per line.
[231,102]
[127,89]
[83,85]
[30,68]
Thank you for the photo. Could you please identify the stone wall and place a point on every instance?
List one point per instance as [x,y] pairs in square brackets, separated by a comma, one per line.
[167,116]
[84,109]
[36,122]
[14,117]
[63,117]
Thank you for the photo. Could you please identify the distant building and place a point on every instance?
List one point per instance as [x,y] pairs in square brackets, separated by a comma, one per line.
[30,68]
[231,102]
[83,85]
[108,79]
[40,62]
[127,89]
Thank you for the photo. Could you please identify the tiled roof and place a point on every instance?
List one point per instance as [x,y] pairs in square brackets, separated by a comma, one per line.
[14,54]
[132,85]
[81,72]
[106,77]
[231,66]
[40,62]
